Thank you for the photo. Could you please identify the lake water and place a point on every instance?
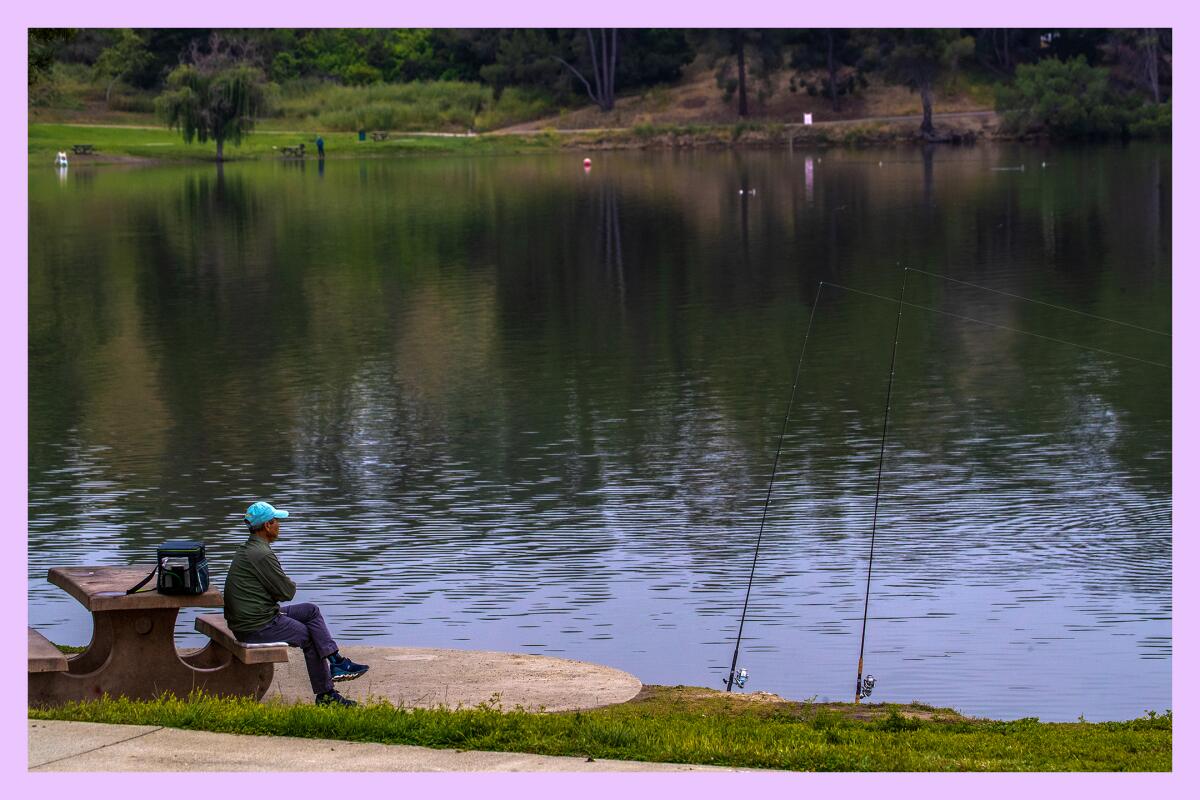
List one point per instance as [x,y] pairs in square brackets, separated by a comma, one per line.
[514,406]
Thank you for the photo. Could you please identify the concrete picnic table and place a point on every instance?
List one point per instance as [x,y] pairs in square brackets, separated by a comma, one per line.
[132,652]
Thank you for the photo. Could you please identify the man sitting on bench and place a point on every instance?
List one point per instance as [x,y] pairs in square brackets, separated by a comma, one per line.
[257,583]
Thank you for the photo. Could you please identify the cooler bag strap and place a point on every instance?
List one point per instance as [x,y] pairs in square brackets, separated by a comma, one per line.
[145,580]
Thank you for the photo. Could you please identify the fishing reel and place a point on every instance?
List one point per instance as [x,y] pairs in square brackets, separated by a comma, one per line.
[738,680]
[867,685]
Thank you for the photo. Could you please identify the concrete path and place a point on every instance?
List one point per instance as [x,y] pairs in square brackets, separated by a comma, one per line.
[419,677]
[94,747]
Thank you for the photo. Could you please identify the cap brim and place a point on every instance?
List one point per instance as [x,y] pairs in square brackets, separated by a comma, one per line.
[280,514]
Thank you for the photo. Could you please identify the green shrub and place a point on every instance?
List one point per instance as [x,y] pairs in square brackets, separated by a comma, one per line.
[361,74]
[1154,122]
[139,102]
[1072,100]
[745,127]
[516,104]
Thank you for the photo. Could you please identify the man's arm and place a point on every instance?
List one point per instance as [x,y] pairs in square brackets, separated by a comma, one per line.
[274,578]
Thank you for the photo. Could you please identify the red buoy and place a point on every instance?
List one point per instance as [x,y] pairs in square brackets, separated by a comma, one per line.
[587,162]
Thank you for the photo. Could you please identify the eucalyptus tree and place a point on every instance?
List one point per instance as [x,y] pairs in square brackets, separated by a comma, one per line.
[919,57]
[1142,58]
[603,86]
[828,49]
[753,52]
[126,56]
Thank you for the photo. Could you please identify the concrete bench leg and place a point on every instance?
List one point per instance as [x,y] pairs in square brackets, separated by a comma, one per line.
[133,654]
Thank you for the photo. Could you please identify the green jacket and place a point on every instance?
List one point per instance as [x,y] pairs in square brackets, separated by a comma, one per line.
[255,585]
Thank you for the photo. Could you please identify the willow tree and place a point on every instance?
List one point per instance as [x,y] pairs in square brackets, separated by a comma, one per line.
[220,105]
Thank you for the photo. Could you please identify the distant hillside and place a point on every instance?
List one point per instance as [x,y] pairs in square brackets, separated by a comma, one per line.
[697,99]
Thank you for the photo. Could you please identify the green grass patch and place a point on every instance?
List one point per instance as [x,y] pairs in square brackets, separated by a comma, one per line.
[687,725]
[123,144]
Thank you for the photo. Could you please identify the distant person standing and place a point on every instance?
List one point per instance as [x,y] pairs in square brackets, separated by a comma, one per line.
[320,147]
[253,589]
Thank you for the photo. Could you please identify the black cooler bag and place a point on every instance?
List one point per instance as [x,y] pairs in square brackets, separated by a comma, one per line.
[182,569]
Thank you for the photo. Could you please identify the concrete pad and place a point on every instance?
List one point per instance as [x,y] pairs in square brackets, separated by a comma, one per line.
[50,740]
[416,677]
[141,749]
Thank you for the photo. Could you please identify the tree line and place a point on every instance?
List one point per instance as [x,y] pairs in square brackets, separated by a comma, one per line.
[1120,70]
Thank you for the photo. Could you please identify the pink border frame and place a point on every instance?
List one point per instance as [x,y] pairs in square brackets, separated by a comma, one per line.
[630,13]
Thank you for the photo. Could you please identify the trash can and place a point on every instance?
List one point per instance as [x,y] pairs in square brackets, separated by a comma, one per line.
[362,134]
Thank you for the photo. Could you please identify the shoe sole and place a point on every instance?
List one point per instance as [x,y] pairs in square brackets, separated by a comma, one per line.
[349,676]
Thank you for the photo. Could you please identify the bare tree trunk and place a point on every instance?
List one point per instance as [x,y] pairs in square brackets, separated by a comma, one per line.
[833,82]
[597,95]
[743,108]
[602,76]
[1007,60]
[604,70]
[612,73]
[926,108]
[220,150]
[1150,46]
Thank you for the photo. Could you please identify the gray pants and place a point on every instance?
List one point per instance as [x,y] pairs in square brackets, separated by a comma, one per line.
[301,625]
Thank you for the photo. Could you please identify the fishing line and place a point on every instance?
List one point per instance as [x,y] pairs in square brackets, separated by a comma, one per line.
[1002,327]
[887,406]
[1039,302]
[741,679]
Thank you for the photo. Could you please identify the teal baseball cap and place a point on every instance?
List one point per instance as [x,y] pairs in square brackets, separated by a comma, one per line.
[262,512]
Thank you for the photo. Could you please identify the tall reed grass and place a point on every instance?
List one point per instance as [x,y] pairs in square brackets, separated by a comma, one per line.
[415,106]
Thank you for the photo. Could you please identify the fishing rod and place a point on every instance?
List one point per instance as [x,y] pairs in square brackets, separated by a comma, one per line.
[864,686]
[1010,329]
[859,685]
[1038,302]
[735,677]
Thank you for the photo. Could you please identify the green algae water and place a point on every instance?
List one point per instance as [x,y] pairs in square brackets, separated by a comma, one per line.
[515,406]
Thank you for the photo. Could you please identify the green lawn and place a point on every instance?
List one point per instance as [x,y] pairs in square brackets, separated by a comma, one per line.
[693,726]
[115,144]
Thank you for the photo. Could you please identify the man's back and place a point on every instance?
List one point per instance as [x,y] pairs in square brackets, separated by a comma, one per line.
[255,585]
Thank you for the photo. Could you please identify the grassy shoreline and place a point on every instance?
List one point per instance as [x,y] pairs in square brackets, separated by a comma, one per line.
[147,145]
[689,725]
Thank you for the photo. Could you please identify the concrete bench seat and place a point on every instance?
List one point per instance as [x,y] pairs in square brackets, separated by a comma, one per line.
[43,655]
[213,626]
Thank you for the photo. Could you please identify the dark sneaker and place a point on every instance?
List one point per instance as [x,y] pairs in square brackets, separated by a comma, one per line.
[346,670]
[334,699]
